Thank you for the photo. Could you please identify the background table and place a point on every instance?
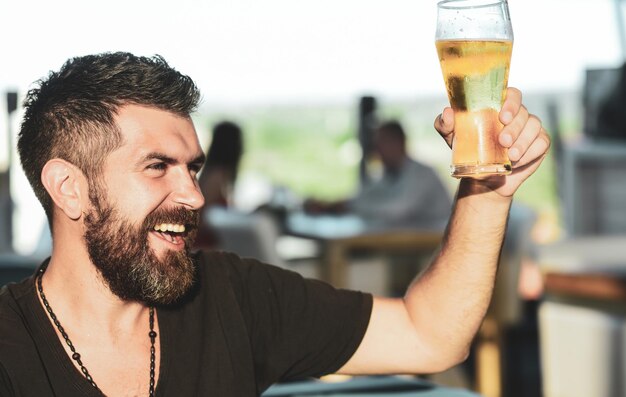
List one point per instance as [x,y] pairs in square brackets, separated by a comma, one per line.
[582,317]
[342,235]
[371,386]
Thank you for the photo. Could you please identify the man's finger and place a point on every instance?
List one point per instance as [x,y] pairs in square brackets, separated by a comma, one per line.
[537,149]
[511,132]
[511,106]
[529,132]
[444,124]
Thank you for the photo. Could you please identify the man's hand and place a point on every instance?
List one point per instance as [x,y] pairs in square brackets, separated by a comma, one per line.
[523,135]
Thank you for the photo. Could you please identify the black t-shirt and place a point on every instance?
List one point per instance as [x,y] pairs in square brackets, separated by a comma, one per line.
[245,326]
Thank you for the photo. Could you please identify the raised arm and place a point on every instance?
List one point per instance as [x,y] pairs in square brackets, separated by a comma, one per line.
[432,327]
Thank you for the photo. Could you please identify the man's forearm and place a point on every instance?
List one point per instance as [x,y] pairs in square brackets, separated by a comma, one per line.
[448,301]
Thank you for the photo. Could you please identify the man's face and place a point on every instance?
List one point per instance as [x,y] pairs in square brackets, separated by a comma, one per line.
[145,207]
[390,149]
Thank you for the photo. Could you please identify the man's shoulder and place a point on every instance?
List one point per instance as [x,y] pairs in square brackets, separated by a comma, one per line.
[216,262]
[14,335]
[14,292]
[227,268]
[21,358]
[219,271]
[11,294]
[212,261]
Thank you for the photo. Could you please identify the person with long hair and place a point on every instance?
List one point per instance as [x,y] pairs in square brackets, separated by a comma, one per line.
[217,179]
[218,176]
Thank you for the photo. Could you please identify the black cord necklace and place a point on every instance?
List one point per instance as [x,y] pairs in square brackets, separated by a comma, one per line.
[76,356]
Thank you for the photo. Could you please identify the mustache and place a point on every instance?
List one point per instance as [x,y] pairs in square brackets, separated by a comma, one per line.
[189,218]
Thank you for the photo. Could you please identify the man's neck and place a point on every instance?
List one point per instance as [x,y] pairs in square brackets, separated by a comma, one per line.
[80,297]
[396,167]
[111,335]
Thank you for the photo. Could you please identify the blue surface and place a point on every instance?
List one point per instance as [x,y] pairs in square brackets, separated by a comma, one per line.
[369,386]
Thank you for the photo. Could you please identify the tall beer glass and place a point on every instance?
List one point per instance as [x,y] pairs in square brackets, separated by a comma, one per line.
[474,41]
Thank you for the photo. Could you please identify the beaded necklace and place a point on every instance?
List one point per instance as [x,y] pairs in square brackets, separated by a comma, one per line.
[76,356]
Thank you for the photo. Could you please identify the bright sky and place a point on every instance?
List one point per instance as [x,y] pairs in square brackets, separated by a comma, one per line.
[285,51]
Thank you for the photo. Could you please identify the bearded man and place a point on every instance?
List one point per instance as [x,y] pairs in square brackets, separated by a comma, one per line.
[123,308]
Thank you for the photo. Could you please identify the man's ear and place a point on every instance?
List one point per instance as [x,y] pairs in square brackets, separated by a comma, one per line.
[62,180]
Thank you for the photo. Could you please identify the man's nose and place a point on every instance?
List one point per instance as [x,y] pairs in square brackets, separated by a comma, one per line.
[187,192]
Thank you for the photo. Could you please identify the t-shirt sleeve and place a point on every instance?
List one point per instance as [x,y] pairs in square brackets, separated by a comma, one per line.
[298,327]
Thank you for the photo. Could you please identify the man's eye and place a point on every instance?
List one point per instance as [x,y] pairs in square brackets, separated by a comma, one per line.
[195,169]
[158,166]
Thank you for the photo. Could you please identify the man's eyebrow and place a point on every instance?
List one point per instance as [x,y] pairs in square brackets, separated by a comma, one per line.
[158,156]
[198,160]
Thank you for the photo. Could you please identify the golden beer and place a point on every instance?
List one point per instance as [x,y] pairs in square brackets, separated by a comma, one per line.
[476,75]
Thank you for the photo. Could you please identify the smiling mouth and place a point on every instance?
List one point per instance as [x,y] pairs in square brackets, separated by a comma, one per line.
[171,232]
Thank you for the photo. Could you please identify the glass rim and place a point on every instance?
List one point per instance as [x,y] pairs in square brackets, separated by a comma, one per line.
[450,4]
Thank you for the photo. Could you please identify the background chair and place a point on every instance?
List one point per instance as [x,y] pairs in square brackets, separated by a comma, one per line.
[247,235]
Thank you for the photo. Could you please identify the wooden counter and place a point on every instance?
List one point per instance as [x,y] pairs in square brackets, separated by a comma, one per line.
[609,286]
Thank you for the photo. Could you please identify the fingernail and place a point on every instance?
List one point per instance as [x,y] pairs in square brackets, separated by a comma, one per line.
[507,117]
[506,139]
[513,154]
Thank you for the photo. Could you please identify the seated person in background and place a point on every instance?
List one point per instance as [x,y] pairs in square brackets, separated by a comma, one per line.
[409,193]
[218,176]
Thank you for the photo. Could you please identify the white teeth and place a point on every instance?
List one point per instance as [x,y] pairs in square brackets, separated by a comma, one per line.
[169,227]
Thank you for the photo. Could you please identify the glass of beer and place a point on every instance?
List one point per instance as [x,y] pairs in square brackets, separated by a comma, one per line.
[474,42]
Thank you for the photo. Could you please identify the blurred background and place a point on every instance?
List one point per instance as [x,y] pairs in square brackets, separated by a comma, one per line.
[293,75]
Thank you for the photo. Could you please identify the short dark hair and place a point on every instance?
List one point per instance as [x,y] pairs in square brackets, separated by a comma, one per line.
[226,146]
[393,129]
[70,115]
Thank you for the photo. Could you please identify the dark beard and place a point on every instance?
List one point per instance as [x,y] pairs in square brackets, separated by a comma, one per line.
[129,266]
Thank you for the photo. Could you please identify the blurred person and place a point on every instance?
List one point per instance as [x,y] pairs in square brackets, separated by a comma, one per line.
[409,193]
[611,116]
[124,307]
[218,176]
